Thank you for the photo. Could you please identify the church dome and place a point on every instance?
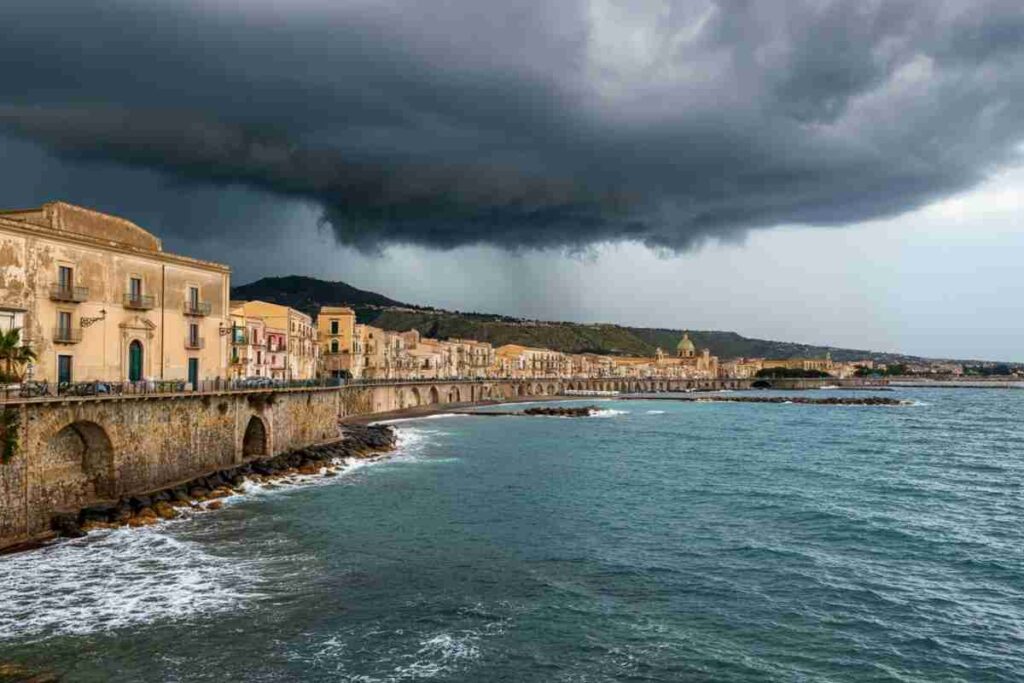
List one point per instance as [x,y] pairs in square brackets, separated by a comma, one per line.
[686,347]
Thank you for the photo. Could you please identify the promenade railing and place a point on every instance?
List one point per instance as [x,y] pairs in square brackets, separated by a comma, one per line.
[46,390]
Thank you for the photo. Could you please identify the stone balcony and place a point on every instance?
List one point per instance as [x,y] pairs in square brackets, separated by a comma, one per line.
[68,293]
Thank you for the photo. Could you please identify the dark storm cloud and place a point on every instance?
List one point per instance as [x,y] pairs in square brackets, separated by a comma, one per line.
[529,123]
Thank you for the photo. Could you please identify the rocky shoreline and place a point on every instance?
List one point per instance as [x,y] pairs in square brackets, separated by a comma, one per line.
[204,493]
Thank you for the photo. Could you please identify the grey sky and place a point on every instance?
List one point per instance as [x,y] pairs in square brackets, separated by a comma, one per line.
[470,144]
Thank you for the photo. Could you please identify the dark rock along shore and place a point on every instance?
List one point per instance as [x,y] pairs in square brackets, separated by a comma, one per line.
[362,441]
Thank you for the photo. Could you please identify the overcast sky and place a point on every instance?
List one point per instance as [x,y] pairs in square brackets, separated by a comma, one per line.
[829,172]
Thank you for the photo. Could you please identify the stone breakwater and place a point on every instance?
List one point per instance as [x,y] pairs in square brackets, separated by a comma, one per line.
[585,411]
[204,493]
[804,400]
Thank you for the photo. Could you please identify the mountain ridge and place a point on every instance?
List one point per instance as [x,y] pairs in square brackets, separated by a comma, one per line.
[308,294]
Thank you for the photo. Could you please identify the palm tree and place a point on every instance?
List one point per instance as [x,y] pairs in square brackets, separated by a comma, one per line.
[13,354]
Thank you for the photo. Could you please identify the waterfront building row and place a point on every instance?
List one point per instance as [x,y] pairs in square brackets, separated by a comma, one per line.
[97,298]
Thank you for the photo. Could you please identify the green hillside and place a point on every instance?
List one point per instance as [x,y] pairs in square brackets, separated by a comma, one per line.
[309,294]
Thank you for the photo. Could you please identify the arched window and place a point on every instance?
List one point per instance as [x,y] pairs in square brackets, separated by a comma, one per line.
[334,346]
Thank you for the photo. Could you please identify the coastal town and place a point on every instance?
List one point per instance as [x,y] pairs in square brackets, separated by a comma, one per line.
[95,298]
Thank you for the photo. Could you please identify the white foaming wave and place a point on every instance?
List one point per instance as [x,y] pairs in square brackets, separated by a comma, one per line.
[115,580]
[655,412]
[609,412]
[440,654]
[398,420]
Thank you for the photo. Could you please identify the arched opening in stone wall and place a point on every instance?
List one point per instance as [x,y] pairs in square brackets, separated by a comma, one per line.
[435,397]
[551,390]
[417,400]
[86,445]
[254,443]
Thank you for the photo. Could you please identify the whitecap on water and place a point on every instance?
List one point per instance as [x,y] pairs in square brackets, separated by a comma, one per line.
[114,580]
[655,412]
[609,412]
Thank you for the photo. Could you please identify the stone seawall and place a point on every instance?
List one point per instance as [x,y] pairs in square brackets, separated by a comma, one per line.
[76,452]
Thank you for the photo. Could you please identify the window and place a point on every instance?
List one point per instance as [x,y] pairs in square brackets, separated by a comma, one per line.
[334,327]
[65,277]
[334,346]
[193,297]
[63,320]
[10,320]
[193,335]
[135,288]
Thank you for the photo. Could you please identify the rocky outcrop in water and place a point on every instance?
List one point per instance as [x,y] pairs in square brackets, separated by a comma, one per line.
[585,411]
[204,492]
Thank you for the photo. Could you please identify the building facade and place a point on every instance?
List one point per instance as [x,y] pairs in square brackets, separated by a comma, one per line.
[97,298]
[289,343]
[341,352]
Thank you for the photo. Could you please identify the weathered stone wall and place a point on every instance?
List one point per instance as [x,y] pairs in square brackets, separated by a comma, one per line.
[77,451]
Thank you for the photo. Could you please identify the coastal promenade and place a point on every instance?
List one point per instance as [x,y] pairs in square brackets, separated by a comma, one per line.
[63,453]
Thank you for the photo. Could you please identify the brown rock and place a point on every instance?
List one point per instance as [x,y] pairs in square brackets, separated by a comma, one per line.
[222,492]
[214,505]
[146,512]
[310,468]
[199,493]
[136,522]
[165,510]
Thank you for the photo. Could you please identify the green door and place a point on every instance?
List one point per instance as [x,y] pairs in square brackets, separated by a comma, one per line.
[135,361]
[193,373]
[63,369]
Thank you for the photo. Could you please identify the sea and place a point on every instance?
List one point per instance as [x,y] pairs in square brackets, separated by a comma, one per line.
[655,541]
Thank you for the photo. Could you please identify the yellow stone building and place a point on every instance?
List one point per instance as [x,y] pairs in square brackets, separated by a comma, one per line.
[98,298]
[290,339]
[341,351]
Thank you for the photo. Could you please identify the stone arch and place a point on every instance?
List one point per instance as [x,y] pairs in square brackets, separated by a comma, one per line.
[417,398]
[256,441]
[86,444]
[551,391]
[435,396]
[453,394]
[761,384]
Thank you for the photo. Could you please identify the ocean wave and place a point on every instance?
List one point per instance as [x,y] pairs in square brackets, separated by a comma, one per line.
[655,412]
[609,412]
[399,420]
[116,580]
[440,654]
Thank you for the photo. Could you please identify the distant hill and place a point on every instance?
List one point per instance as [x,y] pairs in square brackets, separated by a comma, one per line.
[309,294]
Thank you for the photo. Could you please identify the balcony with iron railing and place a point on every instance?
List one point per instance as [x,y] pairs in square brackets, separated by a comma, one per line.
[139,302]
[67,335]
[194,343]
[197,308]
[68,293]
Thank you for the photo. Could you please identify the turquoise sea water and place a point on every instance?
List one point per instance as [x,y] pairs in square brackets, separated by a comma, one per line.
[660,541]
